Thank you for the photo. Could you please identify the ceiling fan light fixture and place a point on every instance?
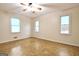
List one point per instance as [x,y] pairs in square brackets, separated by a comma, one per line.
[40,8]
[24,9]
[33,11]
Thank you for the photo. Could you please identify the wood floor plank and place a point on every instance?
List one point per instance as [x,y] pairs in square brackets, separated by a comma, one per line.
[38,47]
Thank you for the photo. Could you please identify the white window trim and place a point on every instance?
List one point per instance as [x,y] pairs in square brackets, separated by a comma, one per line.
[70,25]
[11,25]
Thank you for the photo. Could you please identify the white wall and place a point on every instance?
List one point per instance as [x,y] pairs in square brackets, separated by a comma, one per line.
[50,27]
[0,28]
[5,34]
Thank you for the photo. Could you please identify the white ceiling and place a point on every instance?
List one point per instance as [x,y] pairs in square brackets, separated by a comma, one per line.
[61,6]
[16,8]
[39,1]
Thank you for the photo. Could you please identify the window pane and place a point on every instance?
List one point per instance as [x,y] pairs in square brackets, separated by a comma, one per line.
[65,24]
[65,20]
[15,29]
[15,25]
[37,26]
[64,28]
[15,21]
[37,23]
[37,29]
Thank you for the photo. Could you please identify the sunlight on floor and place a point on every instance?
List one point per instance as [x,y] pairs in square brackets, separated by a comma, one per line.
[16,51]
[63,51]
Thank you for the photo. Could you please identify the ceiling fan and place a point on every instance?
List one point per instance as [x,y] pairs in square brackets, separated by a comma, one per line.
[31,6]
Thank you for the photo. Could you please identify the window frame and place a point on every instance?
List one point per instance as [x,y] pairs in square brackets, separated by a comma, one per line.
[11,25]
[70,24]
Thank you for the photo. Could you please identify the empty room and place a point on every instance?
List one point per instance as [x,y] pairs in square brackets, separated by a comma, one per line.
[42,29]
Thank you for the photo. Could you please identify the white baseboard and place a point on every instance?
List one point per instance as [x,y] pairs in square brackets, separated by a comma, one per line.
[67,43]
[12,40]
[44,39]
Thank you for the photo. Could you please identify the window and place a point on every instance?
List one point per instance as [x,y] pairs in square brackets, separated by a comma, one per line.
[65,24]
[15,25]
[36,26]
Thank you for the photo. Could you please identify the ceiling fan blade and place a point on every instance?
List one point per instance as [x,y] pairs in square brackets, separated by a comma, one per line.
[22,4]
[30,4]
